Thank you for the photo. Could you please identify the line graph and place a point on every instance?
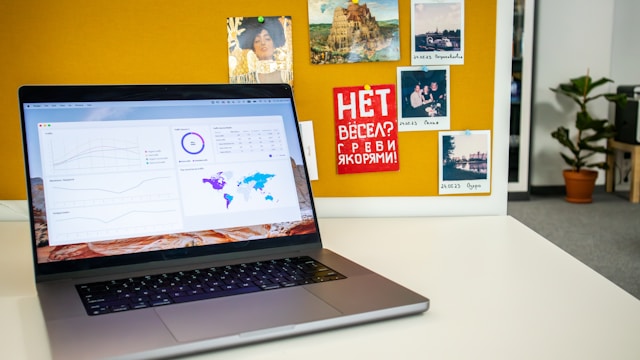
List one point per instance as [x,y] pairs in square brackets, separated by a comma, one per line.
[97,153]
[108,180]
[113,222]
[124,190]
[113,219]
[93,207]
[102,189]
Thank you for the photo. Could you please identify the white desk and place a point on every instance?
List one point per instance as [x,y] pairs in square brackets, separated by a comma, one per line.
[498,291]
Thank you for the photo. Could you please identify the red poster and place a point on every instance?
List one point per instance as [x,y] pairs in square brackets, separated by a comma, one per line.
[366,129]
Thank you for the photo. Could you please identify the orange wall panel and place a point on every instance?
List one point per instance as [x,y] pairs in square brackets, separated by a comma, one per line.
[150,41]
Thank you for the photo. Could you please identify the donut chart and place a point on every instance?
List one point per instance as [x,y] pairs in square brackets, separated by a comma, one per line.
[192,143]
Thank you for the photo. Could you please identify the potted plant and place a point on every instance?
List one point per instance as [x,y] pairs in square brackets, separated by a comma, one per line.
[579,180]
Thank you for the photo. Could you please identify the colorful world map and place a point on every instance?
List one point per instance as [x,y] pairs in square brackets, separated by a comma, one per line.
[246,187]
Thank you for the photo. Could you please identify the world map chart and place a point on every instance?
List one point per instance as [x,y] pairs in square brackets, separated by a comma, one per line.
[246,187]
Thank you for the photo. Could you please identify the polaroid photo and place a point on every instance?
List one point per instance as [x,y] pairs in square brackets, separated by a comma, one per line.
[437,32]
[465,162]
[423,98]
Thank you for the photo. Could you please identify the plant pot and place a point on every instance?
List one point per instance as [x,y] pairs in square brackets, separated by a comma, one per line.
[579,185]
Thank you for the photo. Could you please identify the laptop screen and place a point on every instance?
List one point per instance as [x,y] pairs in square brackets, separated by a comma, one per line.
[137,171]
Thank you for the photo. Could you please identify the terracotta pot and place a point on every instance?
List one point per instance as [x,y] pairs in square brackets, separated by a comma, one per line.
[580,185]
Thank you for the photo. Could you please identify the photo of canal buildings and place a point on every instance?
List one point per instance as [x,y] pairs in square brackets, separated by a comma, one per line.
[465,156]
[437,26]
[437,29]
[438,41]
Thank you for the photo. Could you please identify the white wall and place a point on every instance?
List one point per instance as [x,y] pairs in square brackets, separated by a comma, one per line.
[571,36]
[625,49]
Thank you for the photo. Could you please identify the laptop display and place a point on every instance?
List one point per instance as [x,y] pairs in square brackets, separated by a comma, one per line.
[150,178]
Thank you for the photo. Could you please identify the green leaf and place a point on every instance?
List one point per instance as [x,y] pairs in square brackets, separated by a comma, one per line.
[570,91]
[597,83]
[569,88]
[580,84]
[600,165]
[562,135]
[569,160]
[598,136]
[583,120]
[619,99]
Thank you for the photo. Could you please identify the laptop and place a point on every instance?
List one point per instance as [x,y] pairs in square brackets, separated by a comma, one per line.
[174,219]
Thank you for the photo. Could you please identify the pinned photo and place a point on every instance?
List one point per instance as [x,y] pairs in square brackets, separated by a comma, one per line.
[437,29]
[366,129]
[423,98]
[260,50]
[465,162]
[353,31]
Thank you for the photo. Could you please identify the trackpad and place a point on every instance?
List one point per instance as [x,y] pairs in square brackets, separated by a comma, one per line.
[242,313]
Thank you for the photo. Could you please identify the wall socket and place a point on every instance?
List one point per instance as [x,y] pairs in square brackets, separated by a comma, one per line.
[622,170]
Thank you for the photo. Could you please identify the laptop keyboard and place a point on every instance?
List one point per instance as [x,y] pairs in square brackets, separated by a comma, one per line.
[207,283]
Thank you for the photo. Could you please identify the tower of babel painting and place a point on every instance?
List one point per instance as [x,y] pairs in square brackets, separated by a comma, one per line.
[353,26]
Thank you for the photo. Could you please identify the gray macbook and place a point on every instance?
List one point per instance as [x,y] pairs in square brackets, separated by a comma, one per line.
[175,219]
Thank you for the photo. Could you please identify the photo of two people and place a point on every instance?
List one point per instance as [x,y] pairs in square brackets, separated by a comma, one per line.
[424,93]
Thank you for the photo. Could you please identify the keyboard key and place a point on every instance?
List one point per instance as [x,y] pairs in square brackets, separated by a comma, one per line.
[216,294]
[160,302]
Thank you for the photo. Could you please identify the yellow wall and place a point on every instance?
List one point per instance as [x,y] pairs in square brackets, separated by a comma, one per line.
[162,41]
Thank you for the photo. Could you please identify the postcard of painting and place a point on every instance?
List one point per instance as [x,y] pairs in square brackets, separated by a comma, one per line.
[260,50]
[353,31]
